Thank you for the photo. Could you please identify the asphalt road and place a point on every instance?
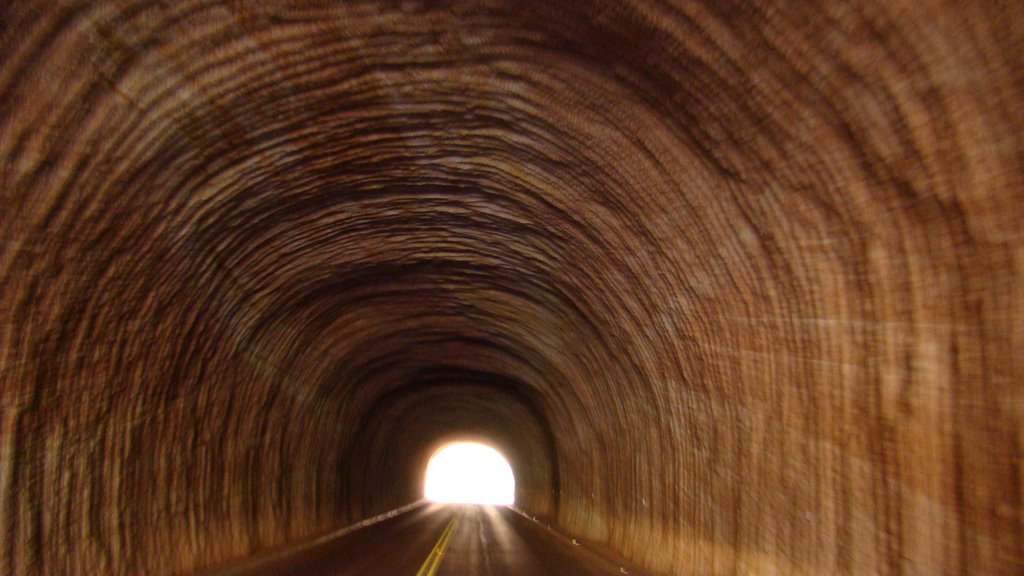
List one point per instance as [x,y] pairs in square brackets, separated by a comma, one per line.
[438,540]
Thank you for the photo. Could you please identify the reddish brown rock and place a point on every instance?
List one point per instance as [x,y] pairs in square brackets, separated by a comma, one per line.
[736,286]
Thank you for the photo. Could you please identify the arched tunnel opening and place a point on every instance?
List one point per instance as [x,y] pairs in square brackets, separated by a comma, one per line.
[735,287]
[469,473]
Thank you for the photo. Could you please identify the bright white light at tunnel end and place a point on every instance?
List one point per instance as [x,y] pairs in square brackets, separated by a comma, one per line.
[469,473]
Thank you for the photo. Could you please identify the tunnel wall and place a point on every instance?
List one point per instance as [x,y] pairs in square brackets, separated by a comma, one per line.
[753,268]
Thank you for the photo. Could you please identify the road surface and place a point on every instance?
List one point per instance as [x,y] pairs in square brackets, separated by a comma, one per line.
[438,540]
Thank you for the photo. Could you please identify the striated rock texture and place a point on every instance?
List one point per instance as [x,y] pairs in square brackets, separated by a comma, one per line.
[737,286]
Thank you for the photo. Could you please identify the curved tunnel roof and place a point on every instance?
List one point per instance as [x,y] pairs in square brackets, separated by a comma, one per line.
[731,284]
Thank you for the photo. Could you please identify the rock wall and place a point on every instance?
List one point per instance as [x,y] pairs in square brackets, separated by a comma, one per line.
[736,285]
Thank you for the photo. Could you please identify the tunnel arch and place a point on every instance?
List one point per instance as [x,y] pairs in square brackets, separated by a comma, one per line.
[404,428]
[735,284]
[469,471]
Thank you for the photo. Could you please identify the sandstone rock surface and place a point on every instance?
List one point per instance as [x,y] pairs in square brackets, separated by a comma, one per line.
[737,286]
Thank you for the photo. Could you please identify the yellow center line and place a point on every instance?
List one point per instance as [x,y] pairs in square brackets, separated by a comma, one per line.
[433,561]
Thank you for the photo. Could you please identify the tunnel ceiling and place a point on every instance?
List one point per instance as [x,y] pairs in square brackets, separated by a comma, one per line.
[735,285]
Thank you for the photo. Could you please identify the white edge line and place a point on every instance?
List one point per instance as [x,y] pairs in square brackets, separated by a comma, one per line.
[363,524]
[273,555]
[622,569]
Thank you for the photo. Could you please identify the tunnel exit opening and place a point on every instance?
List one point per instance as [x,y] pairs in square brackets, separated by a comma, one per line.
[469,473]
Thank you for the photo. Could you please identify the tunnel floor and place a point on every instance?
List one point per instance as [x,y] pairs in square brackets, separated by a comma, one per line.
[438,540]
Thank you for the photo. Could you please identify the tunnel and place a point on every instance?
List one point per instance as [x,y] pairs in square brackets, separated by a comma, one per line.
[737,287]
